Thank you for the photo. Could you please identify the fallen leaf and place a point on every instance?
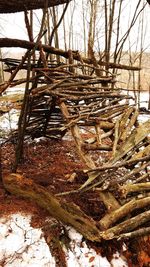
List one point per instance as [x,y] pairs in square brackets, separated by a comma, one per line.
[91,259]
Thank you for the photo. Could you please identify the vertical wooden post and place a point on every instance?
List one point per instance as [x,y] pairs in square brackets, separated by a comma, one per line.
[22,119]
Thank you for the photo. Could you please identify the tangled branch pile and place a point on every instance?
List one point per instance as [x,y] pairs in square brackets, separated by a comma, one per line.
[82,98]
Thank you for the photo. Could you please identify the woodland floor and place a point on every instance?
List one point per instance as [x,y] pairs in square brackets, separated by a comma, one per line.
[50,164]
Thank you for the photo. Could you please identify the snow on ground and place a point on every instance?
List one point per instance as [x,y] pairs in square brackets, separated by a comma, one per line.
[21,246]
[9,120]
[86,257]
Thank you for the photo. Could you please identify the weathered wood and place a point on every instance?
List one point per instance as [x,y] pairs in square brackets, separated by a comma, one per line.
[127,163]
[134,139]
[131,188]
[142,178]
[11,6]
[92,111]
[124,118]
[98,133]
[78,140]
[123,211]
[70,214]
[145,231]
[129,126]
[8,42]
[87,147]
[131,175]
[126,226]
[67,213]
[95,172]
[109,201]
[116,137]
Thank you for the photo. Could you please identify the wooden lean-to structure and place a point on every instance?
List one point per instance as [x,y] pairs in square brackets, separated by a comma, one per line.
[79,95]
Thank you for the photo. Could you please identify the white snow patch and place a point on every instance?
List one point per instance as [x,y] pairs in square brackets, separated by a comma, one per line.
[9,120]
[118,261]
[21,245]
[81,255]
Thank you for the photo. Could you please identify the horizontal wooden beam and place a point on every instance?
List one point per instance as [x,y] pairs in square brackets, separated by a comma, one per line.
[8,42]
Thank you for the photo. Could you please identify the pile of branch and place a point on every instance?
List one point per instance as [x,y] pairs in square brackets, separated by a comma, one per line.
[81,97]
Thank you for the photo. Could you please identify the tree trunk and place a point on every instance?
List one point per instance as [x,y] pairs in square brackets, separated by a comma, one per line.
[67,213]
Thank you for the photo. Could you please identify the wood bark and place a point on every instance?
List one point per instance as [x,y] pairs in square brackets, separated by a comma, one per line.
[123,211]
[11,6]
[138,135]
[70,214]
[67,213]
[127,225]
[8,42]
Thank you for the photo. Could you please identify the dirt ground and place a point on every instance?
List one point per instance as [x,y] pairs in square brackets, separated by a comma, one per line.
[51,163]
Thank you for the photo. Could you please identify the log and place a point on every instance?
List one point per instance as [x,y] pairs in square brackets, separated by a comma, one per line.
[145,231]
[131,188]
[126,226]
[109,201]
[8,42]
[88,147]
[67,213]
[123,211]
[124,118]
[134,139]
[129,126]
